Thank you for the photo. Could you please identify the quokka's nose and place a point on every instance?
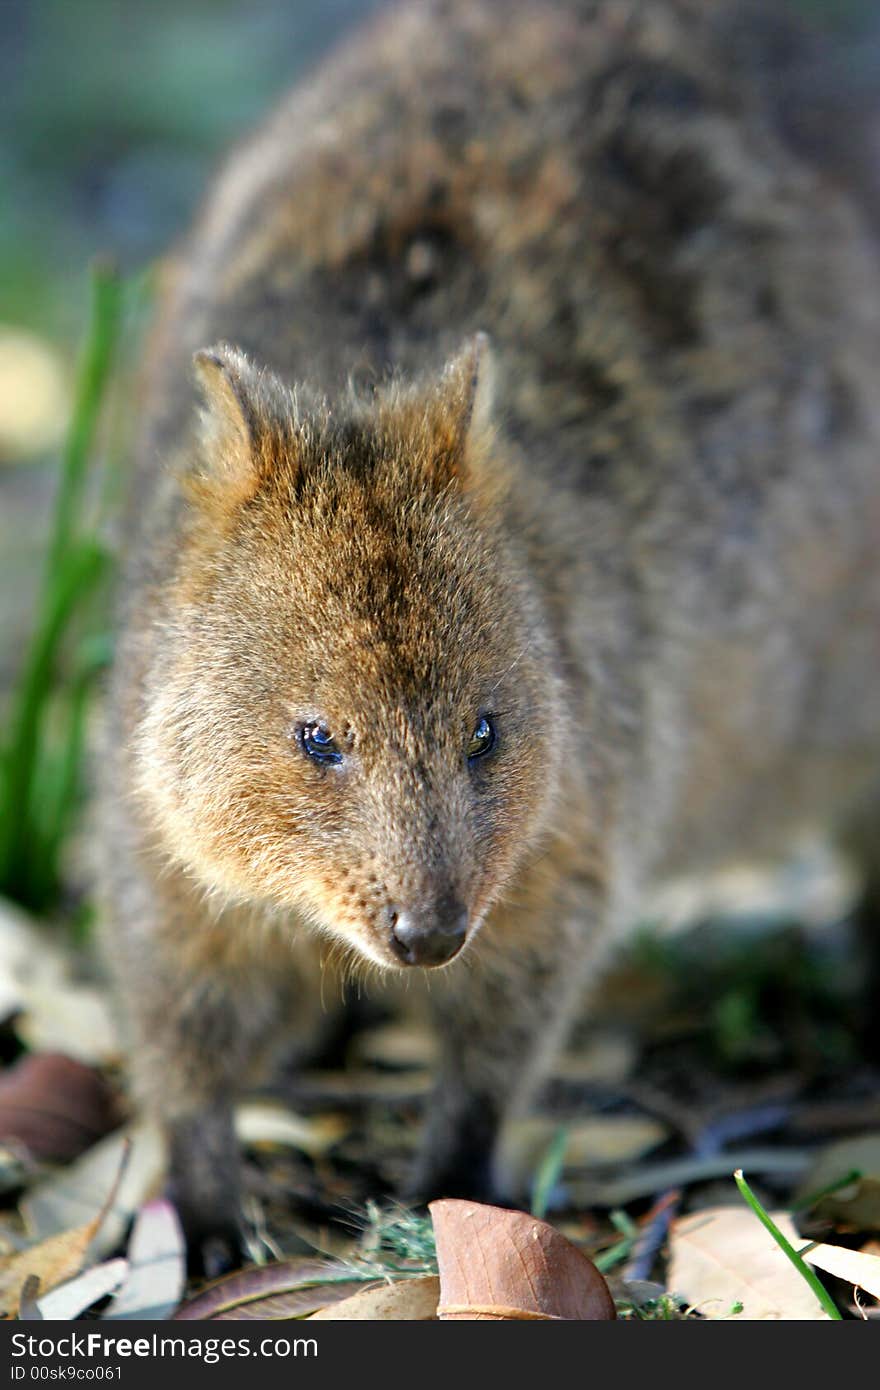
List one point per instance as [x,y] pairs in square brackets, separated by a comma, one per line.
[428,939]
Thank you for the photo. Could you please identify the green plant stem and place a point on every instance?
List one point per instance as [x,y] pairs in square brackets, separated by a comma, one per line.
[73,569]
[94,370]
[787,1248]
[80,573]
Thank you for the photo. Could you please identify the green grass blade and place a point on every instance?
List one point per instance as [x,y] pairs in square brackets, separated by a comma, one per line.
[622,1249]
[79,575]
[787,1248]
[92,378]
[548,1173]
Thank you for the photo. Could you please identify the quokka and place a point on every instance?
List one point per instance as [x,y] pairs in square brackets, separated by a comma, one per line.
[505,539]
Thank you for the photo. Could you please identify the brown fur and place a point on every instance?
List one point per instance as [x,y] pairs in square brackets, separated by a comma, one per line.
[652,557]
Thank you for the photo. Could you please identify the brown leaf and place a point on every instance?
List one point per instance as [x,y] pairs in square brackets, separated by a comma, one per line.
[54,1106]
[295,1303]
[498,1265]
[54,1260]
[130,1160]
[288,1289]
[406,1300]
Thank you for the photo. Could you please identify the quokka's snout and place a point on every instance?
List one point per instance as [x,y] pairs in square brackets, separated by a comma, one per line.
[428,936]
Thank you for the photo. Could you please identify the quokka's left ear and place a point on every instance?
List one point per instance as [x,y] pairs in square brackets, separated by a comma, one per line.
[248,415]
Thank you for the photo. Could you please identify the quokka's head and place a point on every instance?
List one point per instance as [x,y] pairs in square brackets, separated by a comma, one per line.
[353,708]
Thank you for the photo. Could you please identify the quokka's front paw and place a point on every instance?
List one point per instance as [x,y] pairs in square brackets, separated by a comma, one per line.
[204,1185]
[212,1230]
[213,1247]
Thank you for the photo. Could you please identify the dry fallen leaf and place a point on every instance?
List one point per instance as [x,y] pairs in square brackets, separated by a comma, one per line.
[71,1018]
[288,1289]
[405,1300]
[296,1303]
[52,1262]
[30,957]
[57,1259]
[54,1106]
[498,1265]
[73,1196]
[271,1123]
[156,1266]
[54,1011]
[73,1298]
[855,1266]
[723,1256]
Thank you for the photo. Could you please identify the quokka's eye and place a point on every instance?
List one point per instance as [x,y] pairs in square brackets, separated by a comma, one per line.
[482,740]
[317,743]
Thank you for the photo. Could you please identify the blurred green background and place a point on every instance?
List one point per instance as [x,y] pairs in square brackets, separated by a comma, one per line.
[114,114]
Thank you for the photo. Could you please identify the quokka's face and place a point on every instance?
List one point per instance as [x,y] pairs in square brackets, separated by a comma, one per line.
[354,718]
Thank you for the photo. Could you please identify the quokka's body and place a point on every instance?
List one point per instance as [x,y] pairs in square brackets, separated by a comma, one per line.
[427,641]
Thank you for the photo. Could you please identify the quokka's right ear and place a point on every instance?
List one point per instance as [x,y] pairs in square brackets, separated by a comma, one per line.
[248,418]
